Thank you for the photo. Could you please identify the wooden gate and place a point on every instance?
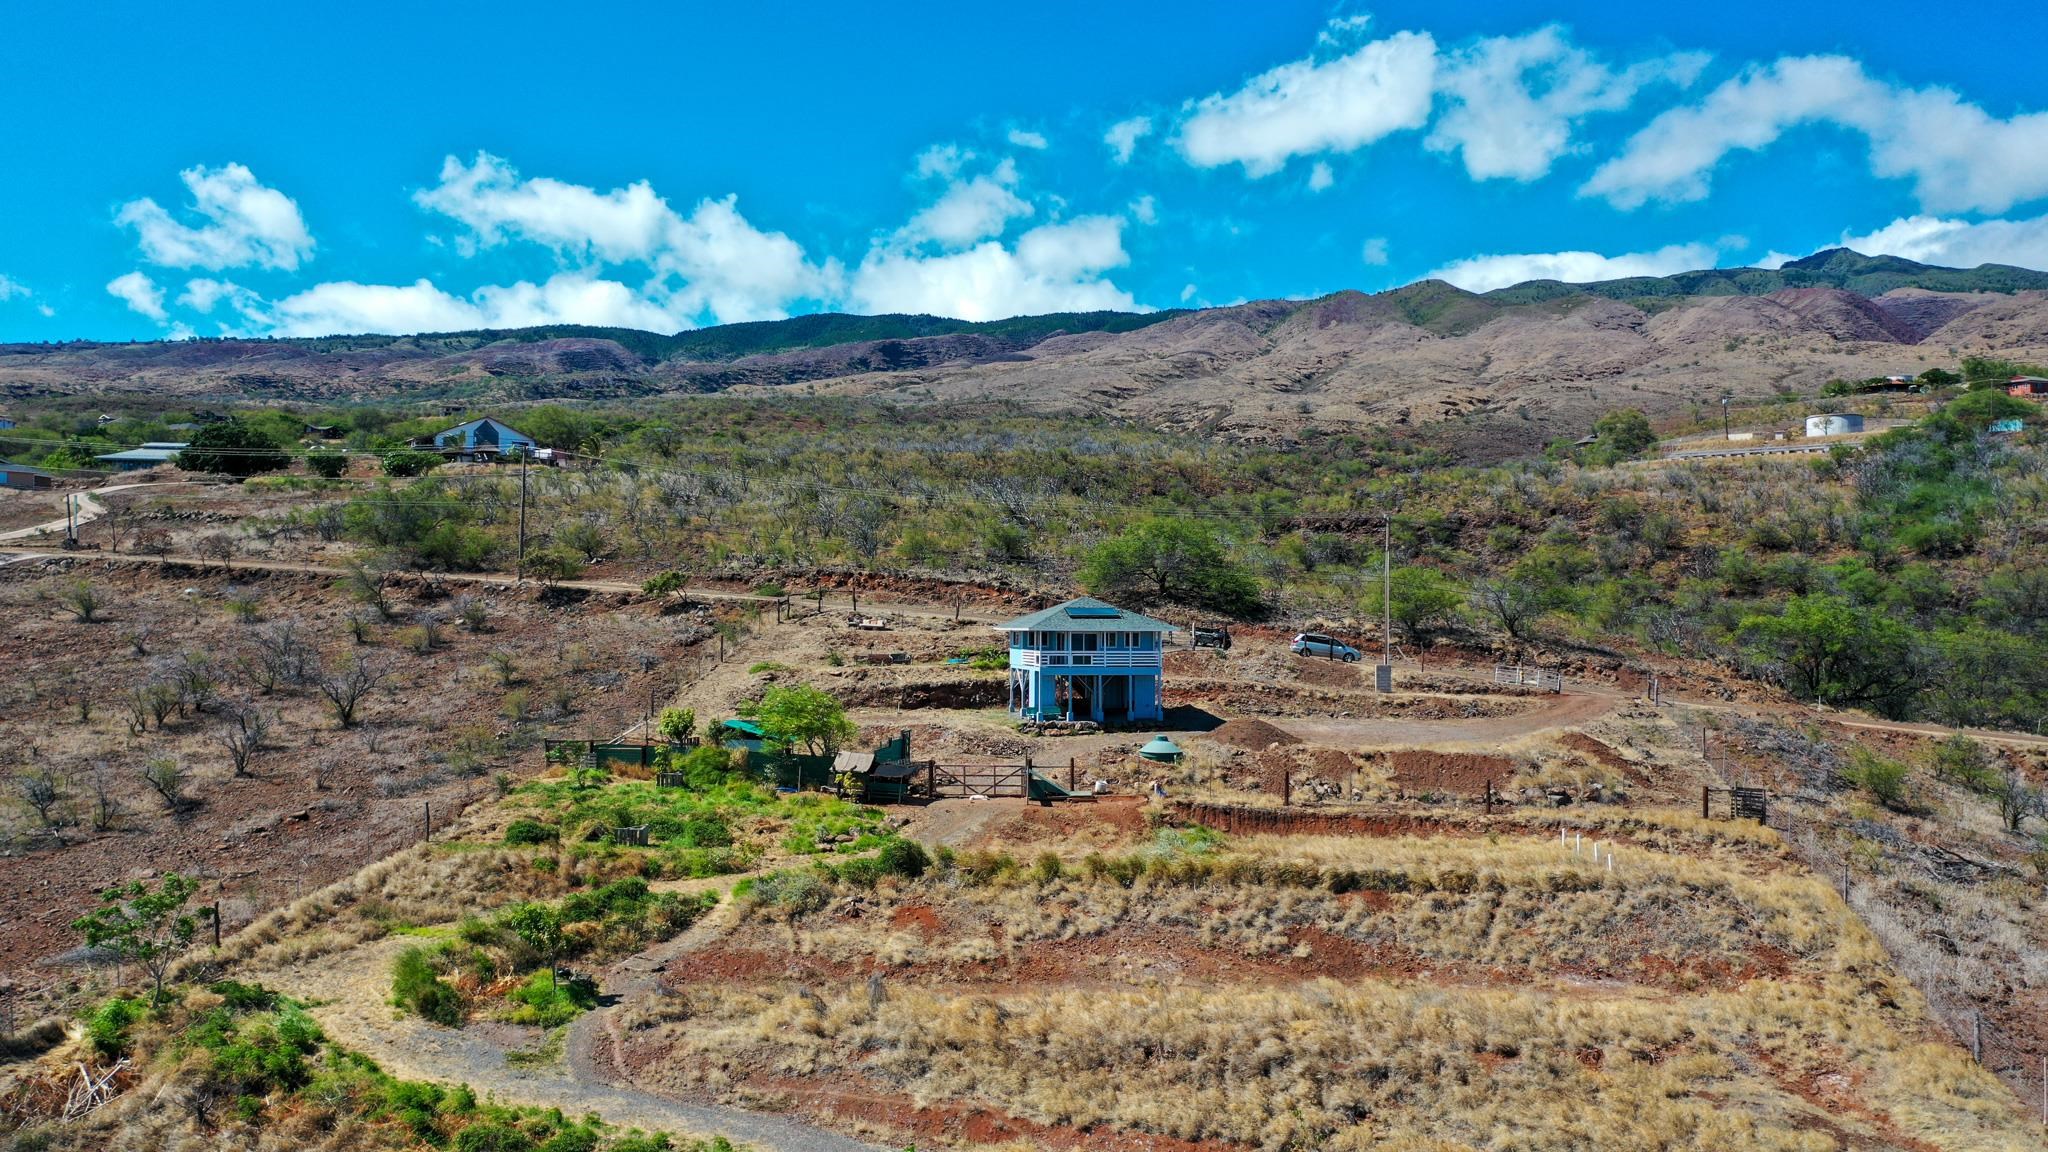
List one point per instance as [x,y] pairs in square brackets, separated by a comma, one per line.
[1734,804]
[991,781]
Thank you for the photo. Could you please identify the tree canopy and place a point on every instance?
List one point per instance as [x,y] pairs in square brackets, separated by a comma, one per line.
[800,717]
[234,448]
[1171,560]
[146,925]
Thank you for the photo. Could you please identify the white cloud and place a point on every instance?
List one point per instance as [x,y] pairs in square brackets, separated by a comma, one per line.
[496,203]
[1958,243]
[1958,156]
[1513,101]
[1145,210]
[202,294]
[710,261]
[141,294]
[11,288]
[1486,273]
[1187,293]
[970,210]
[942,160]
[1123,137]
[1774,260]
[1320,177]
[46,310]
[735,272]
[1025,138]
[1052,268]
[246,224]
[1315,105]
[349,307]
[1374,252]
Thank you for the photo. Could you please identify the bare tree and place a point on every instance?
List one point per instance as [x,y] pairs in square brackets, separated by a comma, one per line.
[2018,800]
[242,731]
[471,611]
[197,681]
[278,657]
[137,634]
[167,776]
[43,793]
[155,700]
[106,807]
[219,546]
[345,685]
[1514,603]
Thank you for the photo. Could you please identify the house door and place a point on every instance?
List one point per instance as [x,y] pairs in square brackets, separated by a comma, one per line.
[1116,697]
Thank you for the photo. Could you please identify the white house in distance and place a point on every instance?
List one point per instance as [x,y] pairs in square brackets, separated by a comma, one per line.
[1086,660]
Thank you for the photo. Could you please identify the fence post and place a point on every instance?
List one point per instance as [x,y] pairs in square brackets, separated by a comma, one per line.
[1704,793]
[427,822]
[1070,773]
[1286,787]
[216,924]
[1977,1037]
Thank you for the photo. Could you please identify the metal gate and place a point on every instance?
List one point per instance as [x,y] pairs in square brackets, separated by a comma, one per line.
[991,781]
[1734,804]
[1531,677]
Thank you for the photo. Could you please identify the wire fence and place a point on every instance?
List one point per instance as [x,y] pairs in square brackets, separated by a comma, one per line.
[1926,944]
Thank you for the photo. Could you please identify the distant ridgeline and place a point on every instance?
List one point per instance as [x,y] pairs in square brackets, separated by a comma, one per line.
[1834,268]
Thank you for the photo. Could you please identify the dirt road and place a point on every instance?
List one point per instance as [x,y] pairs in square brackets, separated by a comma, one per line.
[89,509]
[351,991]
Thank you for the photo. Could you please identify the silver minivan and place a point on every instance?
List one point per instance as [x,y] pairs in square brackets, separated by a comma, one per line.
[1317,644]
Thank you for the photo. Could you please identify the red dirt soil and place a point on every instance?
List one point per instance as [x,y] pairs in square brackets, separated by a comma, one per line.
[1252,734]
[1461,772]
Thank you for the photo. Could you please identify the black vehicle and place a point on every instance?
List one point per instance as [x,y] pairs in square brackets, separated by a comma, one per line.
[1217,637]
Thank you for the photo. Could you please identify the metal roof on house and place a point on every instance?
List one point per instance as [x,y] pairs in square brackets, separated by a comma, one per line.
[148,454]
[747,726]
[480,422]
[19,469]
[1086,614]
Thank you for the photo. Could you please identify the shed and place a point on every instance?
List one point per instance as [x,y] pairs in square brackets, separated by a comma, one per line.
[742,734]
[23,476]
[2029,386]
[1161,749]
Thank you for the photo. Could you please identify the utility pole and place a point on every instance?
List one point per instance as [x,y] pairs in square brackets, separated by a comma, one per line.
[519,565]
[1725,398]
[1387,592]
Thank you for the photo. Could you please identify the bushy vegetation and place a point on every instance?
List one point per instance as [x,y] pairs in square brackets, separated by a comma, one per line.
[238,1054]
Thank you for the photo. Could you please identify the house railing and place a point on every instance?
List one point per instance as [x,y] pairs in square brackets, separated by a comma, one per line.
[1105,658]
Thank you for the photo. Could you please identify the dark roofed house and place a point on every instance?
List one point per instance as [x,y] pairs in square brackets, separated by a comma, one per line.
[2029,386]
[484,438]
[1086,660]
[23,476]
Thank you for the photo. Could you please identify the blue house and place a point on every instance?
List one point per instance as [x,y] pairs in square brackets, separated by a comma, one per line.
[1086,660]
[483,439]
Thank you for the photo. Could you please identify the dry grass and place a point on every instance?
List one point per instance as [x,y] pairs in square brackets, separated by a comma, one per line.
[1371,1064]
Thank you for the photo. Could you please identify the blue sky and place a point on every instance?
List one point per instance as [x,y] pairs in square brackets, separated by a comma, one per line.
[259,169]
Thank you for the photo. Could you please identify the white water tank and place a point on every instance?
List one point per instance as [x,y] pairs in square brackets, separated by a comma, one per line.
[1834,424]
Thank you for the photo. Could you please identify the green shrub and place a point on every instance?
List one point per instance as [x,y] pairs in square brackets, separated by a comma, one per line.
[547,1003]
[524,831]
[905,858]
[493,1136]
[1882,777]
[663,583]
[417,987]
[107,1027]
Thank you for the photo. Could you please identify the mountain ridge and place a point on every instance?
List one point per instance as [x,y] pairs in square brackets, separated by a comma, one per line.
[1495,373]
